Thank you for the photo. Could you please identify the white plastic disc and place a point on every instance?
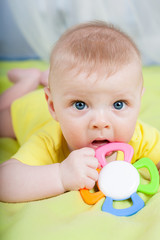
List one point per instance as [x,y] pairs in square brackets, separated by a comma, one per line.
[118,180]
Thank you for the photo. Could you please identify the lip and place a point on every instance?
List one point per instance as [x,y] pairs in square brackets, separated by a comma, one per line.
[99,142]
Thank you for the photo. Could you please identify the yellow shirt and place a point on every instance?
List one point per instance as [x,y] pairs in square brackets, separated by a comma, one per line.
[45,147]
[48,145]
[42,141]
[146,142]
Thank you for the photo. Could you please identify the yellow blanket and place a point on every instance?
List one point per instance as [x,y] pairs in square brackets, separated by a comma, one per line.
[67,216]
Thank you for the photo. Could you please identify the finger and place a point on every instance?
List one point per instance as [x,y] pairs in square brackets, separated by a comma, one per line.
[92,173]
[89,183]
[92,162]
[88,151]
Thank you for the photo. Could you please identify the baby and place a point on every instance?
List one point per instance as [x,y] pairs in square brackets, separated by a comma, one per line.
[94,98]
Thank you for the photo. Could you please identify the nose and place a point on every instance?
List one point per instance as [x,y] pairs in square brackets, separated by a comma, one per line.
[99,121]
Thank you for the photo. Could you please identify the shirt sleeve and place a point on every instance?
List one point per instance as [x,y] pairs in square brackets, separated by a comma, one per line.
[146,143]
[35,152]
[42,148]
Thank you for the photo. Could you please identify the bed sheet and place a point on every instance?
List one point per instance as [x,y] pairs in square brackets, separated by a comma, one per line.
[67,216]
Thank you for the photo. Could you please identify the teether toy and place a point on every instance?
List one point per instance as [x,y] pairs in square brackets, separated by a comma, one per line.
[120,180]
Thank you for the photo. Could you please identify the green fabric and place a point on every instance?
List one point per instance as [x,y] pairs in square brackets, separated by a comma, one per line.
[150,109]
[67,216]
[5,66]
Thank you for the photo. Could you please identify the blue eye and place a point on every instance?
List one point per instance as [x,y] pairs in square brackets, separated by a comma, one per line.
[118,105]
[79,105]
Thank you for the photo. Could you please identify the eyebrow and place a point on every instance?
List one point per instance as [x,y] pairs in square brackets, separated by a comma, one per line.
[75,96]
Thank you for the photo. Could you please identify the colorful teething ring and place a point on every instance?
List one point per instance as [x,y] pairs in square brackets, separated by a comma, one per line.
[115,186]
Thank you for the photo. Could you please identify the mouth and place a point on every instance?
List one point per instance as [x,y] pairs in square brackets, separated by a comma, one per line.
[99,142]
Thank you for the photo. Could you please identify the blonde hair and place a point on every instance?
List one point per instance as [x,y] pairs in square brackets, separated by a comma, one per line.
[91,45]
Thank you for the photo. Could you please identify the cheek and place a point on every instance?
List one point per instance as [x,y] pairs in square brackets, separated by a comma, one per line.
[126,130]
[74,132]
[128,133]
[71,129]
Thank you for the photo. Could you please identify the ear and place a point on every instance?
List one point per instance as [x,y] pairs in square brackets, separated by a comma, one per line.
[49,100]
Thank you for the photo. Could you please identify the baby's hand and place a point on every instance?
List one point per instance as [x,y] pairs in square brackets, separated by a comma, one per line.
[78,170]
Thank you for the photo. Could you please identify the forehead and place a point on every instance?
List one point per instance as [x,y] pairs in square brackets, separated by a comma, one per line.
[129,76]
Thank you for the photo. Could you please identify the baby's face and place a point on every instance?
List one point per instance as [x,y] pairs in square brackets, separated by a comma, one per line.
[93,111]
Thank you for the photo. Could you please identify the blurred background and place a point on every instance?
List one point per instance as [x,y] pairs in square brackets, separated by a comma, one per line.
[29,28]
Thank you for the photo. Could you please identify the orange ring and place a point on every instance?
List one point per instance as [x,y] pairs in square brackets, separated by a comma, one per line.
[91,198]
